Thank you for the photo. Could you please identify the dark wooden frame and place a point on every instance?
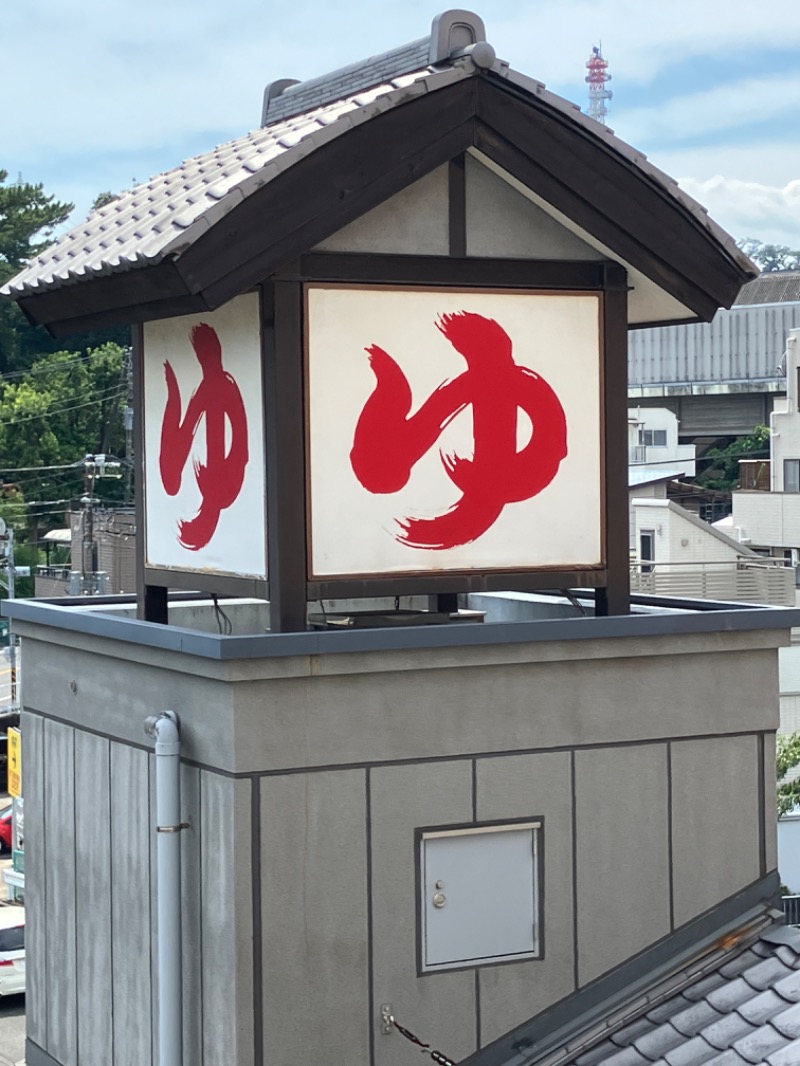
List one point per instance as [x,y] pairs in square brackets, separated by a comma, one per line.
[153,583]
[610,579]
[282,313]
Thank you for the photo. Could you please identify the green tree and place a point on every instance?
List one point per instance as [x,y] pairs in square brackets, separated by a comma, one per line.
[28,220]
[770,257]
[66,406]
[787,758]
[722,464]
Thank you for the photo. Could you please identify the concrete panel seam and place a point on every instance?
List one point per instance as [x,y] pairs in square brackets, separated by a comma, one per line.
[670,839]
[257,918]
[574,819]
[371,1022]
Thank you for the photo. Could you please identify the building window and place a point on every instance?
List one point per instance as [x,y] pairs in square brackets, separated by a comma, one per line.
[791,475]
[653,438]
[647,550]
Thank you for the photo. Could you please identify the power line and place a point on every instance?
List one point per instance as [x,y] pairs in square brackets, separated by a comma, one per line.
[76,359]
[116,391]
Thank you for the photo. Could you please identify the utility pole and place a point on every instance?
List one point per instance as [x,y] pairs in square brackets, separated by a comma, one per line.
[92,582]
[7,549]
[128,419]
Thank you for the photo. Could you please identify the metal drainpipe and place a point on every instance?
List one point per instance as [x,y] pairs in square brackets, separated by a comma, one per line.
[163,728]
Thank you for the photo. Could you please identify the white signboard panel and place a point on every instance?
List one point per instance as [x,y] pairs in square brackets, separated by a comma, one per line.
[452,430]
[204,442]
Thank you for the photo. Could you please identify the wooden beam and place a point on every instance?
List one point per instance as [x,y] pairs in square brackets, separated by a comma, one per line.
[282,330]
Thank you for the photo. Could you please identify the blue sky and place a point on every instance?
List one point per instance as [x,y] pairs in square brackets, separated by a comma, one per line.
[98,95]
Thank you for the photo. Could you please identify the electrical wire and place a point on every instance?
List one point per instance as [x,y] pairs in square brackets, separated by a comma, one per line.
[115,392]
[67,364]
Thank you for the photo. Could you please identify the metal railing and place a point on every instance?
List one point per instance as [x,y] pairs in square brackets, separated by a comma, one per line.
[768,581]
[791,910]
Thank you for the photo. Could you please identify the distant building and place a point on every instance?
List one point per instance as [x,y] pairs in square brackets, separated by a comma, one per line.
[114,535]
[720,378]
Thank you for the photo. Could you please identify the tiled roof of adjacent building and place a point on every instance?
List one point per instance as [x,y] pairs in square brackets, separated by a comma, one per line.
[163,217]
[721,995]
[774,288]
[744,1011]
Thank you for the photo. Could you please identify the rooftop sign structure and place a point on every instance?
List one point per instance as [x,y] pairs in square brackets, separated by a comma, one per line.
[381,339]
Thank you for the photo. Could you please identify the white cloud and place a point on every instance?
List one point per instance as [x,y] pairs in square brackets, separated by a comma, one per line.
[751,209]
[725,107]
[641,40]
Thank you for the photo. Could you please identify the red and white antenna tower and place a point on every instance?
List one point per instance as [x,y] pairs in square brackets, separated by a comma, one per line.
[596,80]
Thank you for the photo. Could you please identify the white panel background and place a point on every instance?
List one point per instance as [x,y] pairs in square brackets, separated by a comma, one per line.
[354,531]
[239,542]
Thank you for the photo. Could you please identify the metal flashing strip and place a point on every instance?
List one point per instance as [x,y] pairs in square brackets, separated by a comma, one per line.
[700,941]
[726,618]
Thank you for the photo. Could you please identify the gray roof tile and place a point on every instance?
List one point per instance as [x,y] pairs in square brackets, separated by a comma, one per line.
[740,964]
[731,994]
[628,1033]
[668,1009]
[727,1031]
[658,1042]
[694,1018]
[728,1058]
[788,1022]
[762,1008]
[744,1012]
[704,986]
[695,1052]
[766,973]
[789,988]
[627,1056]
[757,1045]
[787,1056]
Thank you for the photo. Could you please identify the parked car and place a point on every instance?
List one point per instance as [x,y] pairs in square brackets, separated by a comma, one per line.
[12,950]
[6,828]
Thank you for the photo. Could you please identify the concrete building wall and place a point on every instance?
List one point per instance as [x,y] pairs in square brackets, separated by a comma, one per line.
[305,780]
[785,439]
[768,519]
[679,538]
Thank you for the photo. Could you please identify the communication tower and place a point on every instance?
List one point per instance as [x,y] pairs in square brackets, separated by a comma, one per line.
[596,80]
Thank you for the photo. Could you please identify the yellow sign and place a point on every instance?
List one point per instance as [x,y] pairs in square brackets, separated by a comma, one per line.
[14,762]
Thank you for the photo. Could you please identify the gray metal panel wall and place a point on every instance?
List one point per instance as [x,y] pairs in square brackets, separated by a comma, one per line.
[130,906]
[35,889]
[93,898]
[738,345]
[61,974]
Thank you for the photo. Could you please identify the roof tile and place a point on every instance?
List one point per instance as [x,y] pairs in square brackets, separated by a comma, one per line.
[757,1045]
[694,1052]
[787,1056]
[730,994]
[788,1022]
[727,1030]
[765,973]
[658,1041]
[762,1008]
[694,1018]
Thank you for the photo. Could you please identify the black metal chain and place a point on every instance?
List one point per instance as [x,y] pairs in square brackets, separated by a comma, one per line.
[426,1049]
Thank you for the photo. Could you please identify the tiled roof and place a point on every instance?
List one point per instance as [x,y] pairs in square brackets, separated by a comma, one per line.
[744,1011]
[166,214]
[163,217]
[774,288]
